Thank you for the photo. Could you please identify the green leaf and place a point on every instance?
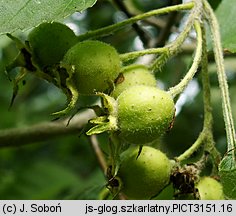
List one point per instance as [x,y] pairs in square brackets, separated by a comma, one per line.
[226,16]
[24,14]
[227,171]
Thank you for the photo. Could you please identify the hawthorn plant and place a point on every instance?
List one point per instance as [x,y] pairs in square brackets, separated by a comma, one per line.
[132,107]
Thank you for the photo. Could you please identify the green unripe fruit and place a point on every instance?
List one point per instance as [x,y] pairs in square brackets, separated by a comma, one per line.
[49,42]
[210,189]
[144,113]
[143,176]
[96,64]
[131,76]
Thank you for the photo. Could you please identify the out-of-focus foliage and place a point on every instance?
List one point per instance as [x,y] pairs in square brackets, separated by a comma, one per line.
[214,3]
[66,167]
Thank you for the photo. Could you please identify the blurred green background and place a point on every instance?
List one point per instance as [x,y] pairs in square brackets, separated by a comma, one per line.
[66,167]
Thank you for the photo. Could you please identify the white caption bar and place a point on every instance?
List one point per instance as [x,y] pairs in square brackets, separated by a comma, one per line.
[116,207]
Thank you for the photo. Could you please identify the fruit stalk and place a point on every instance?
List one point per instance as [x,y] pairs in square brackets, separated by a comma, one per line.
[112,28]
[176,90]
[174,47]
[208,118]
[218,53]
[132,55]
[199,141]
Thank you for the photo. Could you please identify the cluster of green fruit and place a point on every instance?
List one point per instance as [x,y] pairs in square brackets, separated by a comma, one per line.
[53,52]
[146,176]
[138,111]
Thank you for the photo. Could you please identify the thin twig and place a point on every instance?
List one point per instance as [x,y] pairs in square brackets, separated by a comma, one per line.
[144,37]
[175,46]
[99,154]
[218,52]
[166,30]
[199,141]
[208,118]
[188,49]
[132,55]
[115,27]
[16,137]
[206,136]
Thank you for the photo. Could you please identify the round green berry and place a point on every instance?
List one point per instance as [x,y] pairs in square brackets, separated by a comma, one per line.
[144,113]
[133,75]
[210,189]
[143,176]
[95,64]
[49,42]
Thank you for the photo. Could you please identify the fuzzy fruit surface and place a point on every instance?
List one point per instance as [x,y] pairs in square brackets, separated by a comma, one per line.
[49,43]
[96,64]
[144,113]
[210,189]
[144,176]
[131,76]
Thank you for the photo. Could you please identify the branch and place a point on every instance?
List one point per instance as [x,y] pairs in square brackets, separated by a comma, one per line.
[166,30]
[144,37]
[98,152]
[44,131]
